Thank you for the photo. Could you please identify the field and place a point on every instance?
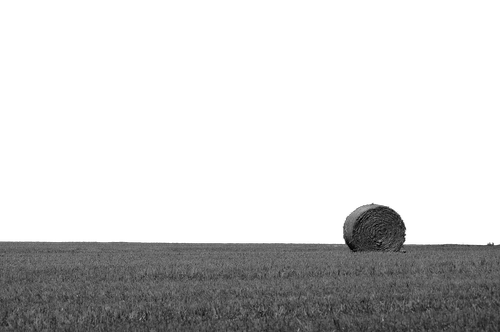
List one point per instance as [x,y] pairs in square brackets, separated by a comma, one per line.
[247,287]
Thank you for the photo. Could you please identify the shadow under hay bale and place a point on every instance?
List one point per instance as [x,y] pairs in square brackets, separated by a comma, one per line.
[374,227]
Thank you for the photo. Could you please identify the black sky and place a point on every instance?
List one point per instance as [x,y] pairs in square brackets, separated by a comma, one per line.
[220,136]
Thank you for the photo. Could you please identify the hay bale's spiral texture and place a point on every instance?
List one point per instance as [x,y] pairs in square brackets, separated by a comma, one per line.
[374,227]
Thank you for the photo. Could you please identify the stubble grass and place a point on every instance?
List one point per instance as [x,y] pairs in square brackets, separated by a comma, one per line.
[247,287]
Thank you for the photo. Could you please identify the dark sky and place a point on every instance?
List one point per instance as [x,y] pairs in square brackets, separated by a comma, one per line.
[253,136]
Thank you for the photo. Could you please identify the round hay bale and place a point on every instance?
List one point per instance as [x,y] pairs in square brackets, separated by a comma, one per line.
[374,227]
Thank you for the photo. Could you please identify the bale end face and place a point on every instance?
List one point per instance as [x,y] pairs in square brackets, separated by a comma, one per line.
[374,227]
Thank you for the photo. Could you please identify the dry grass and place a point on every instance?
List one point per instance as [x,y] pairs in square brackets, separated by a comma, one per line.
[210,287]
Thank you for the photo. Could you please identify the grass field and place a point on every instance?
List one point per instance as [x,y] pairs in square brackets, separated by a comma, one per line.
[247,287]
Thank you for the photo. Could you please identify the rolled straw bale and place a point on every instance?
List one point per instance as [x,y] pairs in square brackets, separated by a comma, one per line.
[374,227]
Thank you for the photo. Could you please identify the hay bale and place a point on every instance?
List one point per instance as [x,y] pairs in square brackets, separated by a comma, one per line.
[374,227]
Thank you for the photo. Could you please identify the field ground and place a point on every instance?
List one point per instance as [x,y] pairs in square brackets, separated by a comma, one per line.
[247,287]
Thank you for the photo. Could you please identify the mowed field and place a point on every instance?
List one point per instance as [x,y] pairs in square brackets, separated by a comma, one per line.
[246,287]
